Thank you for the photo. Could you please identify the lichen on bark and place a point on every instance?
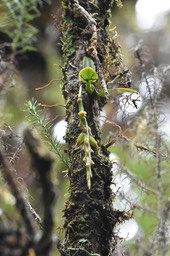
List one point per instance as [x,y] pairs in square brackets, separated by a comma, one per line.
[89,215]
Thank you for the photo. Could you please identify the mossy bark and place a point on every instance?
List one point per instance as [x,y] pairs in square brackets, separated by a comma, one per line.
[89,215]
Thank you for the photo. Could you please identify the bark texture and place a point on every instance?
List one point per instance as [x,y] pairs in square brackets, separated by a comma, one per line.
[89,215]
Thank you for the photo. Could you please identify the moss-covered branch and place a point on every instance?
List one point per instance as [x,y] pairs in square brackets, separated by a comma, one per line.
[89,215]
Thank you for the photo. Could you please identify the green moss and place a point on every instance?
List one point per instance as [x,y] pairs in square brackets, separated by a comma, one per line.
[67,39]
[19,15]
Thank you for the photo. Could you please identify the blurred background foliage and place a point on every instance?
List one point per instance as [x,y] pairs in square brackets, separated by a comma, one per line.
[31,67]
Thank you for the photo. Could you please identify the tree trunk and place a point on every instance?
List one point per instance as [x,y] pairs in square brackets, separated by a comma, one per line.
[89,215]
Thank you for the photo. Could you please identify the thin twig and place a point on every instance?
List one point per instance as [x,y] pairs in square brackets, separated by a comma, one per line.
[35,215]
[136,205]
[138,182]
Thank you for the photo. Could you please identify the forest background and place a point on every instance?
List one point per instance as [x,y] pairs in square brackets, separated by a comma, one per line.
[31,79]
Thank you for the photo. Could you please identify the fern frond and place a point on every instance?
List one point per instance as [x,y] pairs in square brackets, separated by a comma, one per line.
[19,14]
[40,120]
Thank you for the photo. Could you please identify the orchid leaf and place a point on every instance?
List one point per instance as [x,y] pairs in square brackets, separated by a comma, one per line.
[123,90]
[87,62]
